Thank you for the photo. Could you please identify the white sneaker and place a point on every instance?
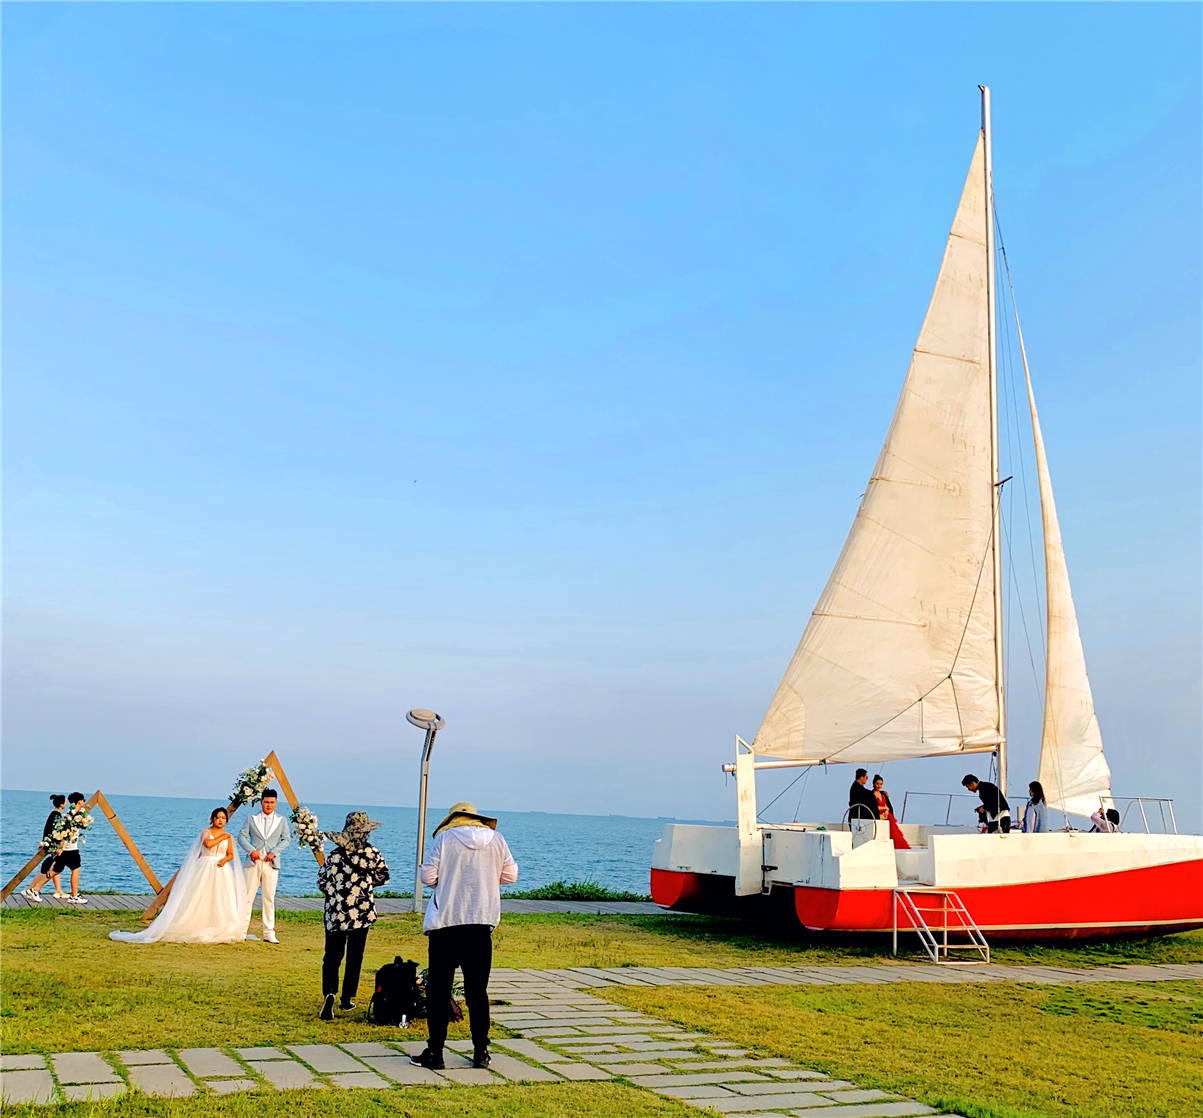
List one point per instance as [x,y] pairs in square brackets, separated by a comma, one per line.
[270,937]
[248,936]
[30,895]
[60,896]
[76,899]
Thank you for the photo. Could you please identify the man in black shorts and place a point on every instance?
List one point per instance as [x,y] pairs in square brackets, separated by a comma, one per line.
[68,858]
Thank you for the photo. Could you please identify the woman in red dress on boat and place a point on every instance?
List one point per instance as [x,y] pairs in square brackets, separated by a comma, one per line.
[885,810]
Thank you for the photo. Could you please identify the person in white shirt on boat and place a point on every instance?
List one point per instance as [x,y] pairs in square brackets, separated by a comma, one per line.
[1035,811]
[1106,822]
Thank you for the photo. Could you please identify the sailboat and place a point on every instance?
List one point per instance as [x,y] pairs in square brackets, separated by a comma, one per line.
[903,658]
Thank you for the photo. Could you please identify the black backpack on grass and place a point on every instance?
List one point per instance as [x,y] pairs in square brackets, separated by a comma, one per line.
[398,998]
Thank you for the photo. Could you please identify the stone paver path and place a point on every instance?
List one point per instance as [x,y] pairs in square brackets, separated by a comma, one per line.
[508,982]
[560,1031]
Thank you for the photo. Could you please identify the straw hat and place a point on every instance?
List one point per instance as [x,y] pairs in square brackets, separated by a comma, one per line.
[464,814]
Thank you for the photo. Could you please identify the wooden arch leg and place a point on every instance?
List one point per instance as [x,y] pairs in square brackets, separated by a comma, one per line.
[99,799]
[22,874]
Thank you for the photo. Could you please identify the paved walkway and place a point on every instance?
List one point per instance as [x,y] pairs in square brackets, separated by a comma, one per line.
[127,902]
[507,983]
[558,1036]
[560,1032]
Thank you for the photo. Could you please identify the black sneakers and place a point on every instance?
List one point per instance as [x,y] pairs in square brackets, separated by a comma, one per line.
[346,1005]
[428,1059]
[481,1059]
[327,1013]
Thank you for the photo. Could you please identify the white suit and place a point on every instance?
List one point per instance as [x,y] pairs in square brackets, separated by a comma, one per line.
[264,834]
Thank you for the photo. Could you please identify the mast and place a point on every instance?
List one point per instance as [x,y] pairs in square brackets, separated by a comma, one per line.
[992,362]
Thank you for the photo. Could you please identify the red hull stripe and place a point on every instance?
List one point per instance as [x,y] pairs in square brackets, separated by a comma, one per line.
[1155,898]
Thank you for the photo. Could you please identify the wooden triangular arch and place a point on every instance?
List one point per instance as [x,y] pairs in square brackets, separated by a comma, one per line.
[97,799]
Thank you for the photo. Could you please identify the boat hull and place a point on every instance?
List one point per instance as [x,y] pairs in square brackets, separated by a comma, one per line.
[1156,901]
[1054,897]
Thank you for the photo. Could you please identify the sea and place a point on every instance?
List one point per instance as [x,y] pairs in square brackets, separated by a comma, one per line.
[612,850]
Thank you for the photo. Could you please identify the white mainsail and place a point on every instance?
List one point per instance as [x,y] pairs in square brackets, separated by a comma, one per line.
[1073,771]
[898,658]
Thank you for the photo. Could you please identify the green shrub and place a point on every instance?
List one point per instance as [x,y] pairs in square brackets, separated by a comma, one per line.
[577,891]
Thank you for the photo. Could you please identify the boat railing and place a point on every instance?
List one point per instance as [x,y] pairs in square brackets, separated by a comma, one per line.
[1144,806]
[946,796]
[1143,809]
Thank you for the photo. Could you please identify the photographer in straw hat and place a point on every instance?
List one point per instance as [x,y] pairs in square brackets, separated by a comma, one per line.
[466,866]
[348,879]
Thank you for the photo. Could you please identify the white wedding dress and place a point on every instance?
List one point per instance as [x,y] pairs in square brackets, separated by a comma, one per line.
[208,903]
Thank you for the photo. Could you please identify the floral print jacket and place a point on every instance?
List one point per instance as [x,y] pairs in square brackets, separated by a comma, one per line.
[347,880]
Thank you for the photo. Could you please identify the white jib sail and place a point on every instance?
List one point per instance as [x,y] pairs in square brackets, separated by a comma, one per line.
[1073,771]
[897,659]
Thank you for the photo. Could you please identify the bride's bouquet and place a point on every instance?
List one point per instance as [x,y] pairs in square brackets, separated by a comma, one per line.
[304,826]
[250,784]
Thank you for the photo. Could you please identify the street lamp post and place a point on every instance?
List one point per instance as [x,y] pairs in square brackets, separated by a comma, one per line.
[432,723]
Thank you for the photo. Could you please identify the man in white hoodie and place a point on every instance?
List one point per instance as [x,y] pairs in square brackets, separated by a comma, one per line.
[466,867]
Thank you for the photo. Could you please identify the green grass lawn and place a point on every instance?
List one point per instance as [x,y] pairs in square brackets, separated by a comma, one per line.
[68,986]
[553,1100]
[988,1051]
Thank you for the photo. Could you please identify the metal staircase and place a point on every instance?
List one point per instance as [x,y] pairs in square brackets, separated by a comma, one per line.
[942,908]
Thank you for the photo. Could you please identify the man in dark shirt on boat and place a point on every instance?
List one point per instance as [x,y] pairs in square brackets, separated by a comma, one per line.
[862,804]
[995,812]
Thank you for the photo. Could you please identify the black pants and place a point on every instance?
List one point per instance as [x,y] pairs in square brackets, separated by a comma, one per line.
[353,942]
[469,947]
[993,826]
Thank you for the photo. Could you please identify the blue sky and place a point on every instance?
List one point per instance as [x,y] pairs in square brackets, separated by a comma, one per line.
[527,362]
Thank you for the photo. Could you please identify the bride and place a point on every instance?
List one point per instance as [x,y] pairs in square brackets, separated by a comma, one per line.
[208,902]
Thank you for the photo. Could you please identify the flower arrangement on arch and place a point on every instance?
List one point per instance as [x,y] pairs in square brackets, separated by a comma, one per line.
[304,826]
[249,786]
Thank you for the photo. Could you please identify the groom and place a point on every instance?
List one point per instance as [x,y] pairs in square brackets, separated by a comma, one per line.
[263,838]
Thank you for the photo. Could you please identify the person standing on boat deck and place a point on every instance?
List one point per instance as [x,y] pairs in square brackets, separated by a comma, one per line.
[466,867]
[1035,812]
[995,812]
[862,804]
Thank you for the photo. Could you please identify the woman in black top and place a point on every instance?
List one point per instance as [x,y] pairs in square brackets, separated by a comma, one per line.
[45,872]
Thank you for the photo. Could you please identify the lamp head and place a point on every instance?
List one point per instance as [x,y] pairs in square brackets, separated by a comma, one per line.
[425,719]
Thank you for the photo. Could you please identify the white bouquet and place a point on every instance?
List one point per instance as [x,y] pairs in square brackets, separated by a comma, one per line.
[249,786]
[71,823]
[62,834]
[304,826]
